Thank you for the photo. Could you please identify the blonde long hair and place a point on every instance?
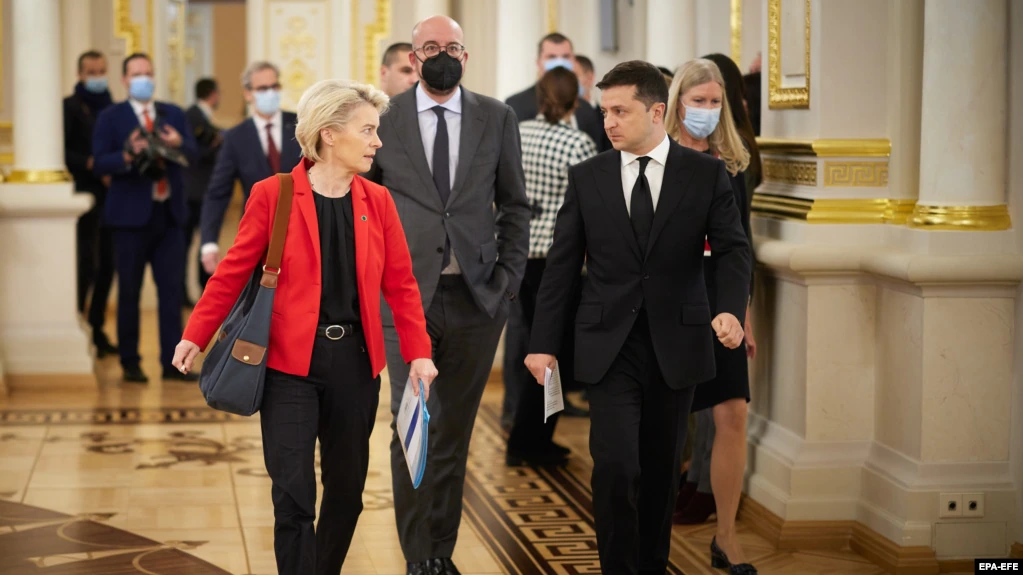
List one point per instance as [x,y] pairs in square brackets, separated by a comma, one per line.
[725,139]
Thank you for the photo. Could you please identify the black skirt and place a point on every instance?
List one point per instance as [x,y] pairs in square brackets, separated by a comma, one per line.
[732,379]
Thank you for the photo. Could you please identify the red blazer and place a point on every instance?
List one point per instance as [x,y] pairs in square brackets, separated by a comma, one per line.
[382,265]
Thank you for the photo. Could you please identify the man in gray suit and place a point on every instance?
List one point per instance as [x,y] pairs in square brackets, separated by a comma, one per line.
[452,162]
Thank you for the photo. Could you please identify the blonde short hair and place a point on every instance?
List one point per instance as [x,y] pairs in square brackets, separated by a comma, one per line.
[330,104]
[725,139]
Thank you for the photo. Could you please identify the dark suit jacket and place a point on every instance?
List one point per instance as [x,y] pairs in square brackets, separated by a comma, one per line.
[487,214]
[586,116]
[666,279]
[197,177]
[242,158]
[79,123]
[130,198]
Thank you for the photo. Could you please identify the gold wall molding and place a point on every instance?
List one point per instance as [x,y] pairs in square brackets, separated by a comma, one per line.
[302,39]
[553,9]
[790,172]
[856,174]
[372,34]
[2,2]
[856,148]
[176,51]
[779,97]
[833,211]
[38,177]
[961,218]
[736,26]
[130,31]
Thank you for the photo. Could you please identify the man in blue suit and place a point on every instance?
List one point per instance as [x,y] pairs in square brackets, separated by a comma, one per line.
[147,211]
[255,149]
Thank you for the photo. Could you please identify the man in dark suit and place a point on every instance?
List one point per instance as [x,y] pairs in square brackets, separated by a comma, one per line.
[257,148]
[451,159]
[95,241]
[556,50]
[639,216]
[197,177]
[146,209]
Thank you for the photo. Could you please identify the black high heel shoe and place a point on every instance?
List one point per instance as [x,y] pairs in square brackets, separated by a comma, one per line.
[719,560]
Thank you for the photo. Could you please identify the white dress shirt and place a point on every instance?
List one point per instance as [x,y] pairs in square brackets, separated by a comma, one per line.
[205,109]
[428,130]
[654,172]
[277,130]
[428,126]
[149,108]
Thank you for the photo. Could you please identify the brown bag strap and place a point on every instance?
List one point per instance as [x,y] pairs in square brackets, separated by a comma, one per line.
[281,217]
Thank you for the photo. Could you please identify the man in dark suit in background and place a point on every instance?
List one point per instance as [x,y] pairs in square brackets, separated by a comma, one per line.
[257,148]
[147,211]
[556,50]
[451,158]
[639,216]
[95,241]
[197,177]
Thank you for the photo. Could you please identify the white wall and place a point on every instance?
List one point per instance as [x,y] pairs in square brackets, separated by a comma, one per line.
[1015,198]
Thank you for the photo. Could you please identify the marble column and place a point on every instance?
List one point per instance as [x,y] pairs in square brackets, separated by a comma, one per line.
[42,342]
[671,32]
[520,25]
[964,109]
[36,39]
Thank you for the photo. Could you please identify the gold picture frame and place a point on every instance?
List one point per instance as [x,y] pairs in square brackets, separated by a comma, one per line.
[779,98]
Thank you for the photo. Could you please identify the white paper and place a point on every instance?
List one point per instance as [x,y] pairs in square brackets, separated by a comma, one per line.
[554,400]
[413,427]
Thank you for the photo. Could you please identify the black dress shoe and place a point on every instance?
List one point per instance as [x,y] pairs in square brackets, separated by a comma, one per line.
[421,568]
[443,567]
[103,346]
[175,375]
[719,560]
[541,458]
[134,374]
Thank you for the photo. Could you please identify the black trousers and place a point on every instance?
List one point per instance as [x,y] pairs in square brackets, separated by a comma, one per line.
[95,251]
[529,433]
[637,431]
[337,403]
[194,213]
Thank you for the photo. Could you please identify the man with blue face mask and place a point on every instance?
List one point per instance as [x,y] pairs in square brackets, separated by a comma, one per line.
[138,144]
[556,50]
[257,148]
[95,242]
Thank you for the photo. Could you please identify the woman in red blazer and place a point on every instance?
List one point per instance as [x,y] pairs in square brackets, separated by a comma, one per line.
[344,247]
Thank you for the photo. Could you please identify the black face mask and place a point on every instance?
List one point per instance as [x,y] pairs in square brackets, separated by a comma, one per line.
[442,72]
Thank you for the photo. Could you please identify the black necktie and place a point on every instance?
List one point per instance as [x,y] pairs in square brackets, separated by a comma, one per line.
[642,206]
[442,171]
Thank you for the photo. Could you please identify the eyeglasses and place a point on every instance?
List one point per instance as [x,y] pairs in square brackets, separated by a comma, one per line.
[432,50]
[265,88]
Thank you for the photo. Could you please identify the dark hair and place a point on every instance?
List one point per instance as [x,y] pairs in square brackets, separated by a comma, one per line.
[735,91]
[393,50]
[585,62]
[666,71]
[553,38]
[556,94]
[648,80]
[205,88]
[135,56]
[88,56]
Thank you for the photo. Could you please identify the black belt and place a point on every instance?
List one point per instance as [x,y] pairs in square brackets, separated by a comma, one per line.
[338,331]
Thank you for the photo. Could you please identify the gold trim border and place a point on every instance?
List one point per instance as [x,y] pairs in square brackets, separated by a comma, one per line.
[790,172]
[779,98]
[126,29]
[961,218]
[833,211]
[736,25]
[38,177]
[372,34]
[856,174]
[825,148]
[553,9]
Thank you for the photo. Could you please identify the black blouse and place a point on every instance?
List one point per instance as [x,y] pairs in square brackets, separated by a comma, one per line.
[339,294]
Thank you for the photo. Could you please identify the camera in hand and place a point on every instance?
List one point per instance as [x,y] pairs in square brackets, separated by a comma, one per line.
[151,161]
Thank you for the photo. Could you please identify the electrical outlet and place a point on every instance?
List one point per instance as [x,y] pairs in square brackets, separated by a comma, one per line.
[973,504]
[950,505]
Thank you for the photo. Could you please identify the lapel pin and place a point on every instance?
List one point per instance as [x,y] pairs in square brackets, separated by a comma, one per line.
[363,218]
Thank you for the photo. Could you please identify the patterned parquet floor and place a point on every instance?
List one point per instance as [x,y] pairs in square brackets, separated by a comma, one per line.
[148,480]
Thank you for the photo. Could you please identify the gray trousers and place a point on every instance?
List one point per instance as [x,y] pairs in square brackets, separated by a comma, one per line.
[464,343]
[703,441]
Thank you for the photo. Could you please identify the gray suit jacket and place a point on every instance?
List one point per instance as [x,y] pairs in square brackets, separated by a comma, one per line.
[487,214]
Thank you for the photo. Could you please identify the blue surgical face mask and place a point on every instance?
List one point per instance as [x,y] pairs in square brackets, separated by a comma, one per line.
[96,84]
[553,63]
[141,88]
[701,122]
[582,90]
[268,101]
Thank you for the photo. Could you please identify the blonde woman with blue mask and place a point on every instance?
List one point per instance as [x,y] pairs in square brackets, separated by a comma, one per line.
[699,117]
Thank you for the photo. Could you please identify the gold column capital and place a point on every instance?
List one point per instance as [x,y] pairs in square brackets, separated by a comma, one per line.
[38,177]
[961,218]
